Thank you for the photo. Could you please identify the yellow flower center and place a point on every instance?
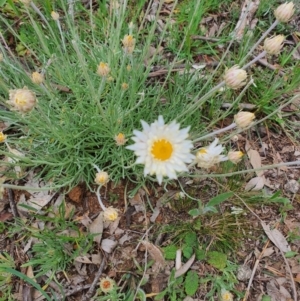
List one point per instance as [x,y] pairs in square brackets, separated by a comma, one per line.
[202,151]
[21,101]
[162,150]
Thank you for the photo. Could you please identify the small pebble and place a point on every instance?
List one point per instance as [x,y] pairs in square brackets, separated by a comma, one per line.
[292,186]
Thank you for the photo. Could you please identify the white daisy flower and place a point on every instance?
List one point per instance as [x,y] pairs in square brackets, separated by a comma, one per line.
[207,157]
[162,148]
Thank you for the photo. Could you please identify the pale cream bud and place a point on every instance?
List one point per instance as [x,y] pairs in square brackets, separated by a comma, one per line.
[235,77]
[102,178]
[284,12]
[37,78]
[243,119]
[110,214]
[103,69]
[128,43]
[55,15]
[2,137]
[226,295]
[22,100]
[120,139]
[273,45]
[235,156]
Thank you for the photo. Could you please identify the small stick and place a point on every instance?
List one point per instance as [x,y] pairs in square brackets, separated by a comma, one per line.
[12,203]
[91,290]
[254,270]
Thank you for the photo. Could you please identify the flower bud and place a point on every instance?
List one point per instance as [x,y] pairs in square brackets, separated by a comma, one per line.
[37,78]
[103,69]
[124,86]
[2,137]
[235,77]
[102,178]
[26,2]
[22,100]
[1,57]
[120,139]
[128,43]
[284,12]
[55,15]
[243,119]
[273,45]
[235,156]
[110,214]
[226,295]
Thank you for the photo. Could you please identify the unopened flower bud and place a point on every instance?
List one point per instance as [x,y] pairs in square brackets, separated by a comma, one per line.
[102,178]
[120,139]
[284,12]
[235,156]
[243,119]
[235,77]
[124,86]
[37,78]
[273,45]
[2,137]
[55,15]
[22,100]
[110,214]
[128,43]
[103,69]
[26,2]
[1,57]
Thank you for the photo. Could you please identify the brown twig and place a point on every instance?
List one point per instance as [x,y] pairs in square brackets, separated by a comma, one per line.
[91,290]
[12,203]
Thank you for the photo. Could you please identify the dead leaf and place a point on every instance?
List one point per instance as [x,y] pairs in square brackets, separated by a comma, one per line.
[154,252]
[255,184]
[185,267]
[108,245]
[83,259]
[96,258]
[96,227]
[276,237]
[255,160]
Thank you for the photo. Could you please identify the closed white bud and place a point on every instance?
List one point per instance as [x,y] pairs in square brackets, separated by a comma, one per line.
[235,156]
[102,178]
[284,12]
[235,77]
[243,119]
[110,214]
[55,15]
[273,45]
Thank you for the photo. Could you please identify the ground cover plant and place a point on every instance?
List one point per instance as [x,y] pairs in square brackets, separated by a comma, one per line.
[150,100]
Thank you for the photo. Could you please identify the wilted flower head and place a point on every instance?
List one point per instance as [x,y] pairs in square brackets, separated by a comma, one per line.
[110,214]
[106,285]
[102,178]
[235,77]
[284,12]
[22,100]
[209,156]
[103,69]
[226,295]
[243,119]
[2,137]
[162,148]
[273,45]
[37,78]
[128,43]
[235,156]
[124,86]
[120,139]
[55,15]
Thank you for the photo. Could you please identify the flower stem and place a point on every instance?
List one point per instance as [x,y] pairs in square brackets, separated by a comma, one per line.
[99,199]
